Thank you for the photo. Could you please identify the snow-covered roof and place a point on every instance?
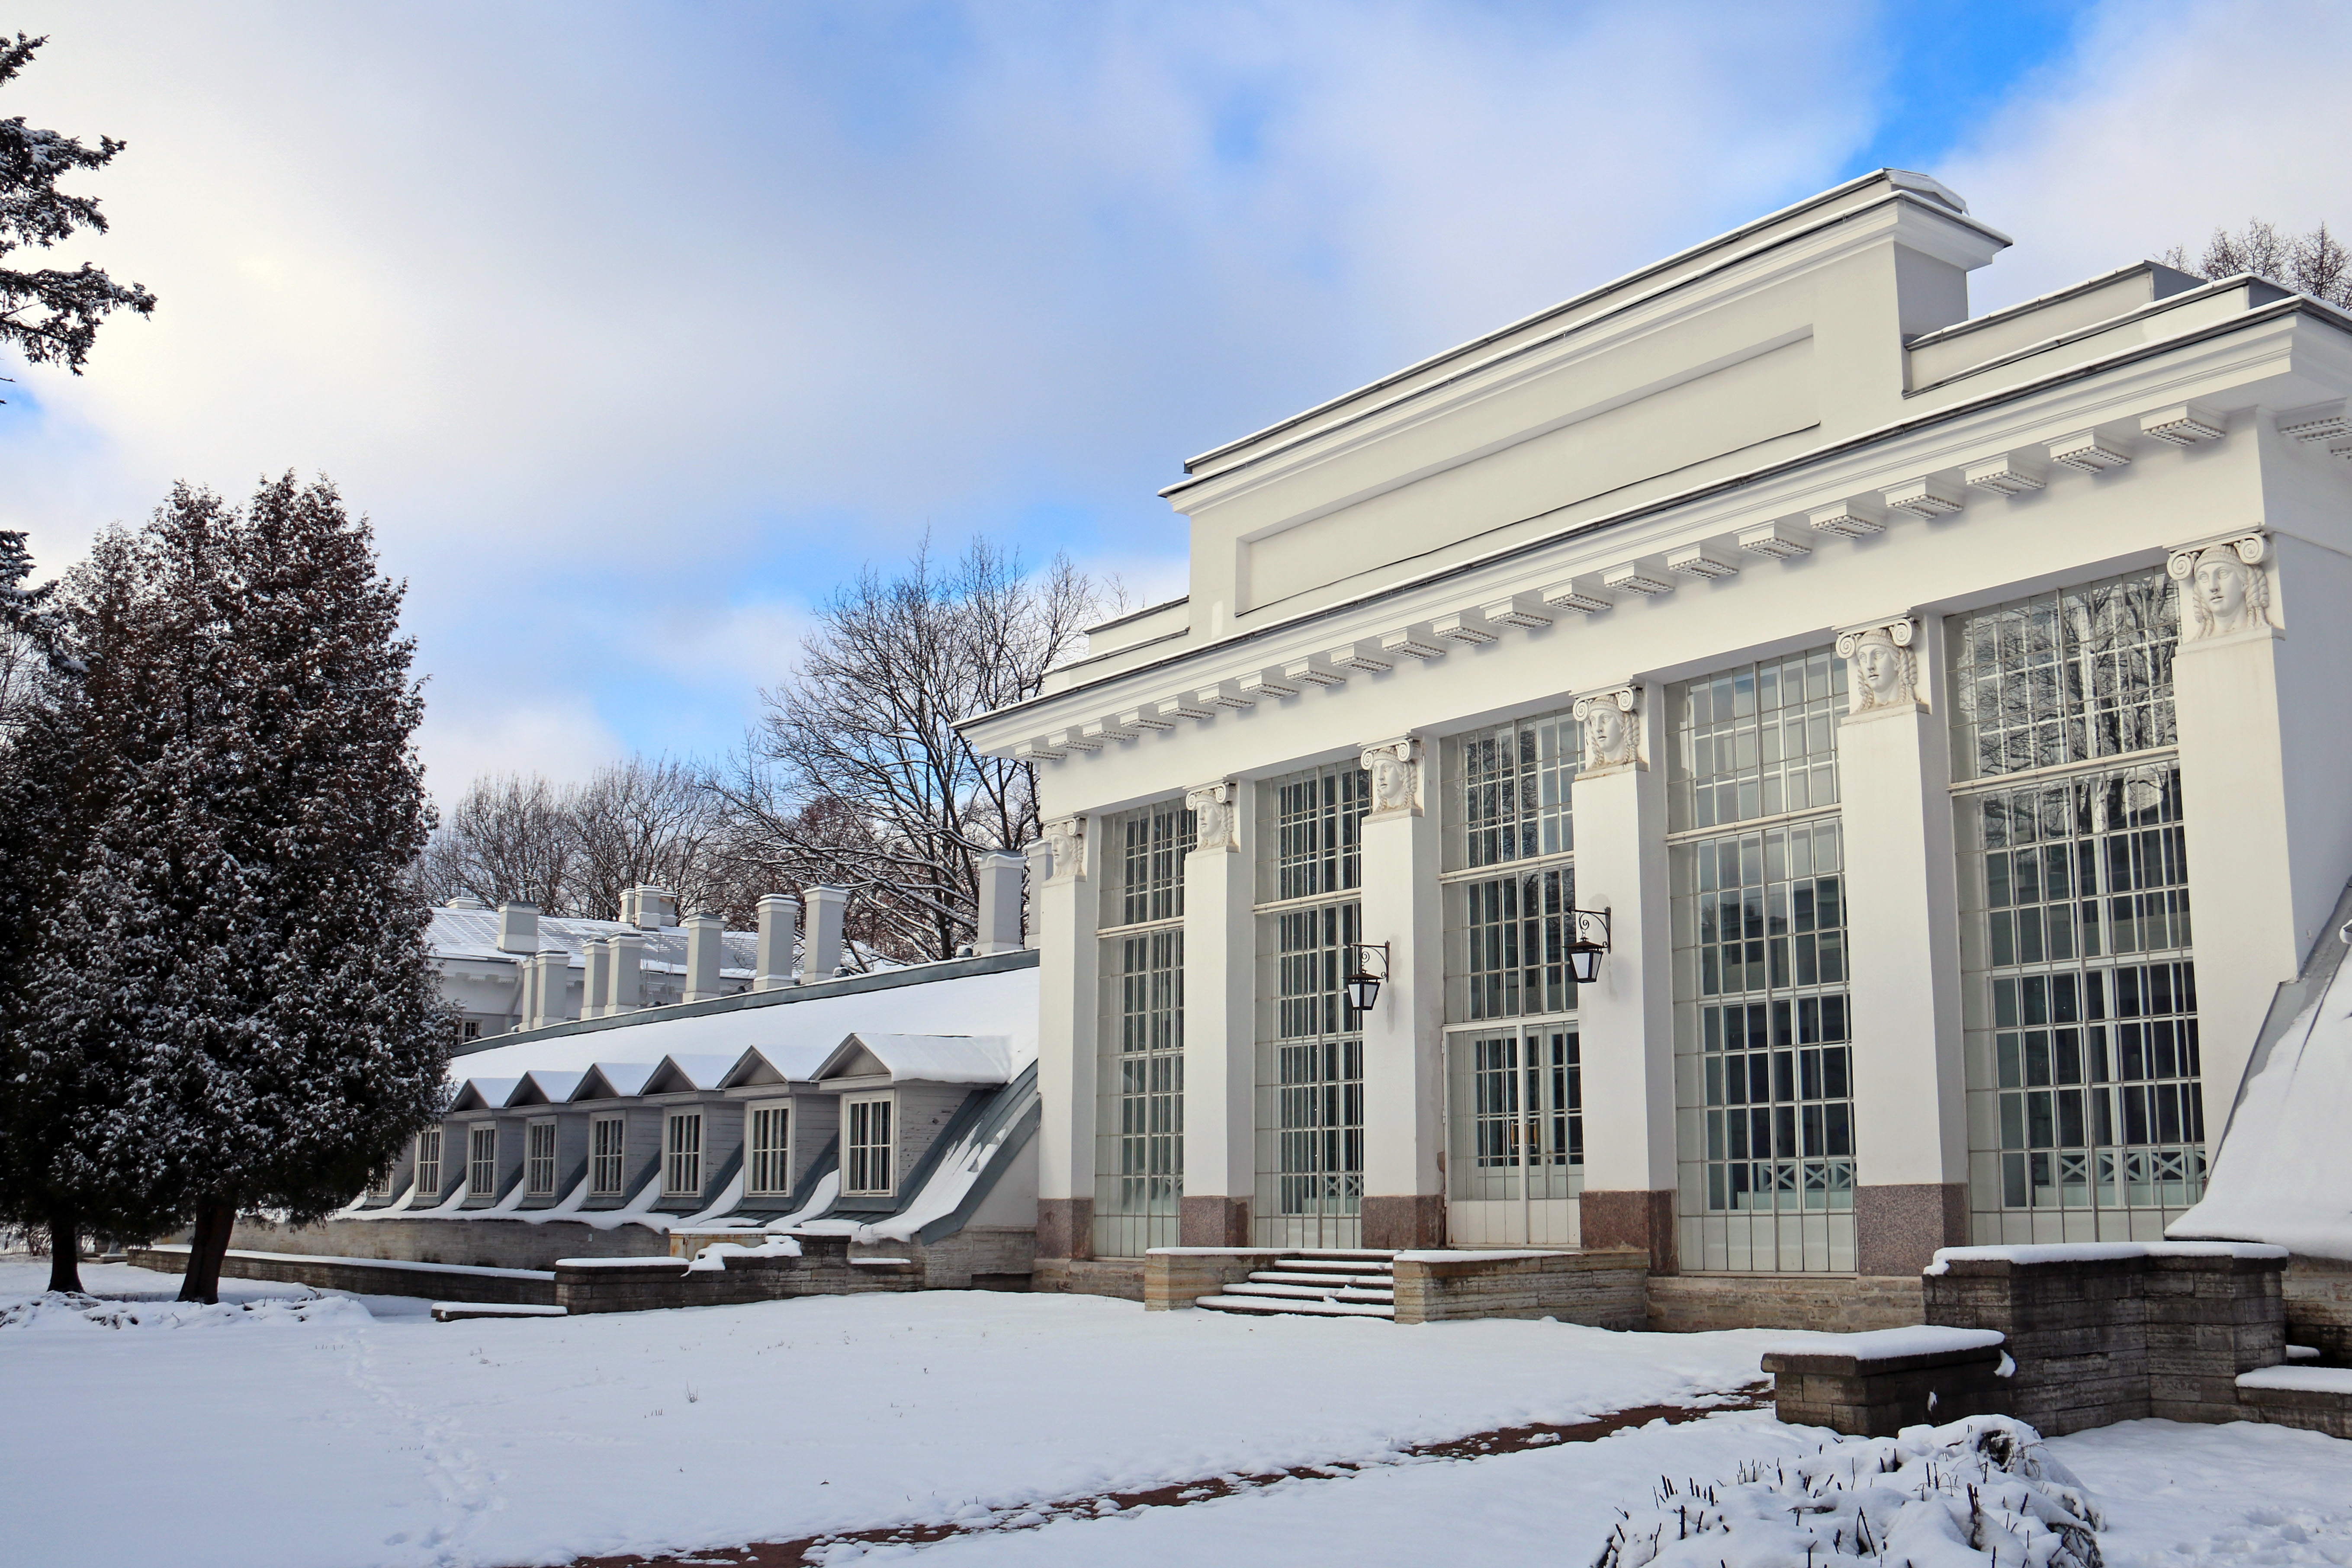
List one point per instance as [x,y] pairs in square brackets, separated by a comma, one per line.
[795,1028]
[545,1088]
[479,1093]
[474,934]
[613,1080]
[921,1059]
[693,1070]
[776,1064]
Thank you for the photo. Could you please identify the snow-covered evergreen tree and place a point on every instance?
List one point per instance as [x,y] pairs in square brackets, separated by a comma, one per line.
[241,948]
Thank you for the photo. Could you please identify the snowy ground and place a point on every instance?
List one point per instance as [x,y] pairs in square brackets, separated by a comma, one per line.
[325,1436]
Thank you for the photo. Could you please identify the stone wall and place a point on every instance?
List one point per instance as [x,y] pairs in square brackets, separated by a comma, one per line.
[2319,1307]
[473,1243]
[637,1285]
[1866,1395]
[363,1276]
[1601,1288]
[989,1257]
[1120,1277]
[1176,1277]
[1840,1303]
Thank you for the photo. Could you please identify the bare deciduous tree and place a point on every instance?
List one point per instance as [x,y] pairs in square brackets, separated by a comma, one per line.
[644,821]
[507,838]
[857,775]
[2317,264]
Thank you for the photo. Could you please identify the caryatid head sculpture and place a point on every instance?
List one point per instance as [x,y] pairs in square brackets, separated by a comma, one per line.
[2223,588]
[1882,670]
[1612,730]
[1393,766]
[1212,807]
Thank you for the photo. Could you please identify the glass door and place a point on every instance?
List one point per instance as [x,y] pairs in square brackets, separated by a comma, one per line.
[1517,1136]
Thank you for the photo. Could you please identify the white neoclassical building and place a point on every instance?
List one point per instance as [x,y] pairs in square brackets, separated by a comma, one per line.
[1950,716]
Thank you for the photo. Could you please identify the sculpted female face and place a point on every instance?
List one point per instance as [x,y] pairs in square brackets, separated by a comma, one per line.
[1388,780]
[2221,587]
[1880,670]
[1605,732]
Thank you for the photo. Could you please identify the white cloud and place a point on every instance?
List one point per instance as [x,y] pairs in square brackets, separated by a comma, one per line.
[617,328]
[564,741]
[2169,120]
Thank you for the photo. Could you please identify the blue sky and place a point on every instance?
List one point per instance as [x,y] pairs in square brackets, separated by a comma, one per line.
[638,329]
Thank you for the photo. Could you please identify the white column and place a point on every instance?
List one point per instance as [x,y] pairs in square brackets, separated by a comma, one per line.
[780,919]
[705,938]
[998,928]
[1220,1018]
[596,984]
[552,967]
[820,950]
[1068,1003]
[1626,1017]
[1404,1131]
[626,994]
[1903,948]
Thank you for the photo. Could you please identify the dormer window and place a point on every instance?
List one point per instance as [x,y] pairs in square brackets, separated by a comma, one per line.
[539,1163]
[769,1151]
[867,1150]
[482,1163]
[682,1160]
[607,1141]
[428,1164]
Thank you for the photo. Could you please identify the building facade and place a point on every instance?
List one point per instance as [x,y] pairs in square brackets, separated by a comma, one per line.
[1937,721]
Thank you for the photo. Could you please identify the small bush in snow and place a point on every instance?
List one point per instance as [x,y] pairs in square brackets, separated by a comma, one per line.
[72,1309]
[1978,1493]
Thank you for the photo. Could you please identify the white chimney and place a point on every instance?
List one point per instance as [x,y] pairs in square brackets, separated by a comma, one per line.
[596,985]
[518,927]
[648,908]
[526,993]
[1000,903]
[552,972]
[1040,857]
[706,937]
[821,954]
[780,923]
[629,953]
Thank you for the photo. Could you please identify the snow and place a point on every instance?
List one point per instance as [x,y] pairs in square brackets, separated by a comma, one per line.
[2099,1251]
[1000,1003]
[2300,1379]
[1887,1344]
[933,1059]
[394,1442]
[2283,1171]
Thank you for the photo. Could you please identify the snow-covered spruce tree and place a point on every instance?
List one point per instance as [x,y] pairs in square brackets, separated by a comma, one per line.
[77,674]
[243,921]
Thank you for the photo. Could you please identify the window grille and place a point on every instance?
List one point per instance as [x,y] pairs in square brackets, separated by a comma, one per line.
[1310,1111]
[428,1164]
[682,1160]
[771,1149]
[2085,1080]
[868,1154]
[538,1159]
[1762,1029]
[1757,742]
[607,1143]
[1140,1115]
[482,1163]
[2073,676]
[1513,1092]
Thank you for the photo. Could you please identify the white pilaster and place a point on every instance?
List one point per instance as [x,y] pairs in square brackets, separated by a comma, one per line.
[1220,1019]
[1403,1088]
[1068,1005]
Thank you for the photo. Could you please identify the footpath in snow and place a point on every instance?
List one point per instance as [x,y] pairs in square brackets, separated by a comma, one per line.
[321,1438]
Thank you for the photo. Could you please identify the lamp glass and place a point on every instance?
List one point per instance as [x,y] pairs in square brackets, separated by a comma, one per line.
[1584,960]
[1363,990]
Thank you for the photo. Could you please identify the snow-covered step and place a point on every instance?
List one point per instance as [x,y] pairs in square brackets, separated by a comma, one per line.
[1310,1292]
[1266,1307]
[1332,1266]
[1286,1277]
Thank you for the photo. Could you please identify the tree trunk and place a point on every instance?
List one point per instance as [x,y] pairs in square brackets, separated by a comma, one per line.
[207,1245]
[65,1253]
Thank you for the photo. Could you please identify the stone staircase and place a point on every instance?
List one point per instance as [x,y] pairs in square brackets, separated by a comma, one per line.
[1315,1283]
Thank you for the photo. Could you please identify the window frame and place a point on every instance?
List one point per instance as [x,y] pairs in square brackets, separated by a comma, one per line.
[617,1156]
[537,1160]
[857,1151]
[1140,1043]
[682,1158]
[763,1159]
[428,1164]
[482,1135]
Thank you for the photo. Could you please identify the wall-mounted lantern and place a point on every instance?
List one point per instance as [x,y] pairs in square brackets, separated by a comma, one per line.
[1362,985]
[1591,940]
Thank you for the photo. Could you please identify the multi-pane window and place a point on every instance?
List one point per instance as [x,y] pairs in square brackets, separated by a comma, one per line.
[538,1159]
[1139,1116]
[1764,1069]
[380,1184]
[1758,741]
[607,1142]
[428,1164]
[868,1154]
[482,1163]
[1515,1142]
[682,1152]
[1310,1113]
[2086,1101]
[2070,676]
[767,1133]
